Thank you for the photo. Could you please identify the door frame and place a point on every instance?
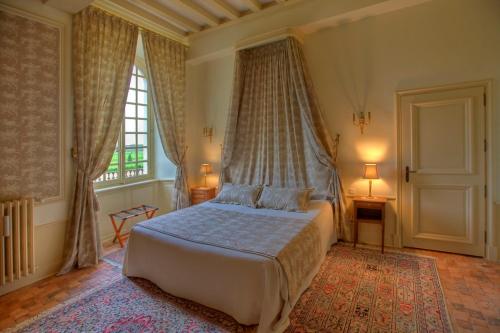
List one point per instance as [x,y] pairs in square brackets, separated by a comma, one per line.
[490,229]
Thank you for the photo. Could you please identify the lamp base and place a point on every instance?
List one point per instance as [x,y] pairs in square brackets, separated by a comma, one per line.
[370,196]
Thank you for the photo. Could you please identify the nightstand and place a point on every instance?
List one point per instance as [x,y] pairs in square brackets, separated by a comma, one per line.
[369,210]
[202,194]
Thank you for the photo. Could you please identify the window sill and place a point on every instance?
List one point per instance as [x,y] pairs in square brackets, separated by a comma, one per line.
[113,188]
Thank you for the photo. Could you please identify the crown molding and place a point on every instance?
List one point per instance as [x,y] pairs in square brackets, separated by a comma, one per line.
[141,21]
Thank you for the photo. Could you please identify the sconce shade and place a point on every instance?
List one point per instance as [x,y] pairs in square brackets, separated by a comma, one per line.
[206,168]
[371,171]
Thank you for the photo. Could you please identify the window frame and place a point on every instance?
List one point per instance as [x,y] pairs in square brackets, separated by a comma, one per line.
[122,180]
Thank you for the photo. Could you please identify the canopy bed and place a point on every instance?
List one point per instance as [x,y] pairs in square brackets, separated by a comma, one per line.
[250,263]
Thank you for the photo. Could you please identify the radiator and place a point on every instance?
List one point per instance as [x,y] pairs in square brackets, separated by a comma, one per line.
[17,240]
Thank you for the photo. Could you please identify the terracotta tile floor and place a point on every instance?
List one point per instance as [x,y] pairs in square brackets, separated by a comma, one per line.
[471,286]
[472,290]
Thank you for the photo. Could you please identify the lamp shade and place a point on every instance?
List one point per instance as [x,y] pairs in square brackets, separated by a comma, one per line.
[206,168]
[371,171]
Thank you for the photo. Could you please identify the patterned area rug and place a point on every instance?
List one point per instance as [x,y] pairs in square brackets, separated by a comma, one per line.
[356,290]
[362,290]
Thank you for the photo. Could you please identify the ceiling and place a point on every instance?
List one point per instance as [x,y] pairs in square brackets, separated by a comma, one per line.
[188,21]
[180,17]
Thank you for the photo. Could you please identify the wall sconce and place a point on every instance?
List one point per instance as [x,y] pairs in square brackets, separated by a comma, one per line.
[208,132]
[363,120]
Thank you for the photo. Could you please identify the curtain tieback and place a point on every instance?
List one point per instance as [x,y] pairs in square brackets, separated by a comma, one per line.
[74,153]
[180,177]
[85,173]
[180,170]
[90,185]
[183,155]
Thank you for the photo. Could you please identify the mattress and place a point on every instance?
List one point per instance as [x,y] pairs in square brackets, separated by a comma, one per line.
[247,285]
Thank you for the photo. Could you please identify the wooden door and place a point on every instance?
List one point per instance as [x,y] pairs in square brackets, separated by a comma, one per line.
[442,154]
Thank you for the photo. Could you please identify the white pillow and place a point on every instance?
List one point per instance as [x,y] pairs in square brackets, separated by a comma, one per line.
[245,195]
[290,199]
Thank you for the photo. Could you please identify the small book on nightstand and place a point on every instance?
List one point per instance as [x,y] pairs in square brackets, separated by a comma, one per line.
[202,194]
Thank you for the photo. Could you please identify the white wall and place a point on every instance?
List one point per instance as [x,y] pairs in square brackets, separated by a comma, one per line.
[364,63]
[361,65]
[209,88]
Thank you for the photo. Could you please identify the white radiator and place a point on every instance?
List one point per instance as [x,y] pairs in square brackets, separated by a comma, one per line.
[17,240]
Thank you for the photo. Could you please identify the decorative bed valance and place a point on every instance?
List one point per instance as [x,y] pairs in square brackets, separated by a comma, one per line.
[275,132]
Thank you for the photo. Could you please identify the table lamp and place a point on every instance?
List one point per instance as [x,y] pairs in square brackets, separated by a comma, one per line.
[206,169]
[370,173]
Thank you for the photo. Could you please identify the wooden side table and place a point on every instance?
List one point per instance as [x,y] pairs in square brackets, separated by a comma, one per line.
[202,194]
[124,215]
[369,210]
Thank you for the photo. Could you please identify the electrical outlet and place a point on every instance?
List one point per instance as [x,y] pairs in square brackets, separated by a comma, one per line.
[351,191]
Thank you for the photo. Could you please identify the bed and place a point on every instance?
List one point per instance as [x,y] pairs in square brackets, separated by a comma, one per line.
[252,264]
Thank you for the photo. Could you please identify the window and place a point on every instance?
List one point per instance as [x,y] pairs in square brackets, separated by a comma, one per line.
[132,160]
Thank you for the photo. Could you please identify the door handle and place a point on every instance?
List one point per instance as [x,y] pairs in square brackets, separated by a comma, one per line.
[407,173]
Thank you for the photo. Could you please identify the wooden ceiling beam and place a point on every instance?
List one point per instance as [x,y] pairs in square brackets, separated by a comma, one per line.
[169,15]
[210,18]
[254,5]
[138,11]
[227,9]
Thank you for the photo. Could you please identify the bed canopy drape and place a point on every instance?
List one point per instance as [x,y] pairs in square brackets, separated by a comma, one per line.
[275,132]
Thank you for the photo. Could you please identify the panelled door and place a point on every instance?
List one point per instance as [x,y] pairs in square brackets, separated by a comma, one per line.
[442,147]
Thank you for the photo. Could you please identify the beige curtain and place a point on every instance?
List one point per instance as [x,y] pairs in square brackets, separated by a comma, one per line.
[165,62]
[275,132]
[103,56]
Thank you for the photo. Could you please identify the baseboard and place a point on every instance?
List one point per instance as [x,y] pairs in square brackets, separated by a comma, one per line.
[492,253]
[396,241]
[107,240]
[39,274]
[43,273]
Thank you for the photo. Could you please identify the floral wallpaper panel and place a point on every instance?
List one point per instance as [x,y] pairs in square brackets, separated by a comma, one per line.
[29,108]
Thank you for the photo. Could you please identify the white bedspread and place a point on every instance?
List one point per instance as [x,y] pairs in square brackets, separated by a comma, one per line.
[245,285]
